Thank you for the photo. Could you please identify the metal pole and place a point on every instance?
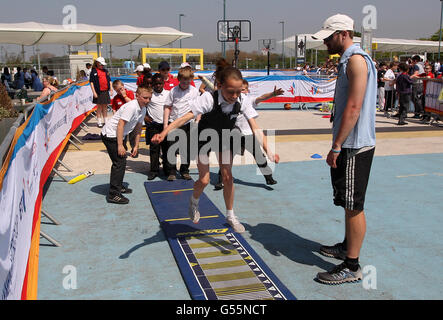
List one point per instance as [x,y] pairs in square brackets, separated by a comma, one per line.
[54,242]
[47,215]
[64,165]
[439,33]
[23,54]
[224,18]
[180,25]
[38,60]
[110,55]
[60,175]
[283,43]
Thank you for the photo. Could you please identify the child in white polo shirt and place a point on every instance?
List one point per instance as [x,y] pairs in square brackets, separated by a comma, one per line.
[127,119]
[177,105]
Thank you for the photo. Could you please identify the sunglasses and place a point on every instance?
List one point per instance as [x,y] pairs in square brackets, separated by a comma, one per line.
[331,36]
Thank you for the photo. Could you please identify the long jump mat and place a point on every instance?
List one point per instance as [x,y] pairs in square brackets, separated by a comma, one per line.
[215,262]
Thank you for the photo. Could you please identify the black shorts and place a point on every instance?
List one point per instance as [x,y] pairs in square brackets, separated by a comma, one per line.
[350,178]
[234,144]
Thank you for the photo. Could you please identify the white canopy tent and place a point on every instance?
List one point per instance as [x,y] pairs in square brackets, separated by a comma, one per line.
[33,33]
[383,44]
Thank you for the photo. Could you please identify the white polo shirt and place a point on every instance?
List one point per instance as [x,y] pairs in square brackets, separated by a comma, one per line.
[391,76]
[205,103]
[131,113]
[242,123]
[155,108]
[179,100]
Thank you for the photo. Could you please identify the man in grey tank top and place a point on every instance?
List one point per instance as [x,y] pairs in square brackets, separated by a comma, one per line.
[353,145]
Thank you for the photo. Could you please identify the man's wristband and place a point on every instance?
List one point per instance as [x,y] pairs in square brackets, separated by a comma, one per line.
[335,151]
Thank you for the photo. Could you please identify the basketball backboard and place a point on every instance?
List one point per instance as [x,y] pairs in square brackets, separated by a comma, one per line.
[234,30]
[268,44]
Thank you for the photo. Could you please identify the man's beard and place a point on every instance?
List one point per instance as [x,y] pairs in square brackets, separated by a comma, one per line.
[334,49]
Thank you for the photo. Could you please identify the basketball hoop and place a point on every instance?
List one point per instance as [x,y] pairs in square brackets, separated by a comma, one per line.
[266,46]
[234,31]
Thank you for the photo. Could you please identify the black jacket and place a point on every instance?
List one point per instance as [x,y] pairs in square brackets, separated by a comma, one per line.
[94,79]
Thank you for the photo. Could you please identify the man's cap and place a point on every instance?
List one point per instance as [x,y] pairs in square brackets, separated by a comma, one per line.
[146,65]
[184,65]
[139,68]
[338,22]
[101,60]
[163,65]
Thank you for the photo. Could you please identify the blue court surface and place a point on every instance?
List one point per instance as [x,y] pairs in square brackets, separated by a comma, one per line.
[215,262]
[121,252]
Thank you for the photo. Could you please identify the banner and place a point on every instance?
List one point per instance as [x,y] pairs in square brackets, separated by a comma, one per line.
[296,88]
[434,97]
[21,179]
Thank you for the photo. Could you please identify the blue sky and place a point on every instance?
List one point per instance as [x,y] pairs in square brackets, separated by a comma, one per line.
[408,19]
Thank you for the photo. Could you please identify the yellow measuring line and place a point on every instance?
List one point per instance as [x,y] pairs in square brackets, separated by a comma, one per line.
[166,191]
[181,219]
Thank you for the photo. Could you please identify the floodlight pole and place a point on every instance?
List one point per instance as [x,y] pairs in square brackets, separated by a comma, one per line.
[224,18]
[283,44]
[180,25]
[439,31]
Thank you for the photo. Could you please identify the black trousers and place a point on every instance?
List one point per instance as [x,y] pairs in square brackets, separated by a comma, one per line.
[118,166]
[403,102]
[154,149]
[389,100]
[417,98]
[184,149]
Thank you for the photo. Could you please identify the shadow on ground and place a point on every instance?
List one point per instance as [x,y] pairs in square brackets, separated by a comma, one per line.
[280,241]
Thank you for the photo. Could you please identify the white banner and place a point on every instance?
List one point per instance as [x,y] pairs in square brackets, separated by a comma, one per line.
[48,126]
[434,97]
[296,88]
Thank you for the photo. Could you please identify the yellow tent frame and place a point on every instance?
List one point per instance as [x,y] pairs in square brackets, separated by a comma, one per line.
[183,51]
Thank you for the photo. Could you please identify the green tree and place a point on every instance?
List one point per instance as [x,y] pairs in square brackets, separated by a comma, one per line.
[434,37]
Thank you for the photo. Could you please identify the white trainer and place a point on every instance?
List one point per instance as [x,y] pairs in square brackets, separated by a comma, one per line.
[235,224]
[194,214]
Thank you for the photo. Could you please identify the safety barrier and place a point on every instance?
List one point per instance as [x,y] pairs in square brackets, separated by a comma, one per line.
[34,150]
[434,99]
[297,88]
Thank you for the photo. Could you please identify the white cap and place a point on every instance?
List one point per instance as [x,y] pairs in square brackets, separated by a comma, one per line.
[139,68]
[101,60]
[184,65]
[338,22]
[146,65]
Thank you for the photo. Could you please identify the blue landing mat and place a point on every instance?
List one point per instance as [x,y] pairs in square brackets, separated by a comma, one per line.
[215,262]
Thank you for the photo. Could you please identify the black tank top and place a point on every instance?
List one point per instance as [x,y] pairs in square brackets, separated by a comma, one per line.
[218,120]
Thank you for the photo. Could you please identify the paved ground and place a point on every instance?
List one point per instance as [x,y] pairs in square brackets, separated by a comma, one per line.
[119,252]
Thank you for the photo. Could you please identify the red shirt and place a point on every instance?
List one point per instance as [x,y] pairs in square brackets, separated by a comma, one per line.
[170,83]
[102,80]
[140,79]
[118,100]
[430,75]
